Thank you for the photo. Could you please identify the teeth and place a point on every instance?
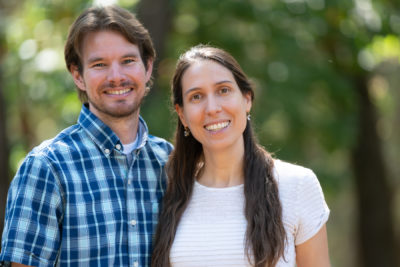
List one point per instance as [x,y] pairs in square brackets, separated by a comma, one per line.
[217,126]
[119,92]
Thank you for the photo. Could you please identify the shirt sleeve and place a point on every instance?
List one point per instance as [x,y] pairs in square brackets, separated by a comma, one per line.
[312,209]
[31,234]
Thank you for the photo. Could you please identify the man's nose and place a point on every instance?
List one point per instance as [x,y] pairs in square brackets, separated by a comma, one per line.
[115,73]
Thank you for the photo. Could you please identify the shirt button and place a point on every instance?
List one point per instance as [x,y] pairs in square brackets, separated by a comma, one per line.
[133,222]
[135,264]
[107,151]
[118,146]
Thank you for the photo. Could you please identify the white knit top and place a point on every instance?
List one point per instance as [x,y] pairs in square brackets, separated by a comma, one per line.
[212,229]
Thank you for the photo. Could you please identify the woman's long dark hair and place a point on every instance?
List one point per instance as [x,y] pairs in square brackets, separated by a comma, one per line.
[265,234]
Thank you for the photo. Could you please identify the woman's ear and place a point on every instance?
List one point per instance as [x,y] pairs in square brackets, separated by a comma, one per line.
[249,102]
[78,79]
[179,110]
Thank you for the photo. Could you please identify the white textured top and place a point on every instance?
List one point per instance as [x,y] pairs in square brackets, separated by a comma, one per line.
[212,229]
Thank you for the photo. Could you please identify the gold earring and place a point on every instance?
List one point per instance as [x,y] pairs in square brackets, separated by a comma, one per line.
[186,132]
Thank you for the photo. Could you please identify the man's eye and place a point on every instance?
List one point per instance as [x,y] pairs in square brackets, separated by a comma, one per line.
[98,65]
[127,61]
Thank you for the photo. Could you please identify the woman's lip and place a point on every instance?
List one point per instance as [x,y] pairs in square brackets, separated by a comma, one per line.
[215,126]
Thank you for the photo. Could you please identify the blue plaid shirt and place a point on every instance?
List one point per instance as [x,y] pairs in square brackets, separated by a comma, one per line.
[77,201]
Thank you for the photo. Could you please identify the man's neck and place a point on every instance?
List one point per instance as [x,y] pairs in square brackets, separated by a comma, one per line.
[125,128]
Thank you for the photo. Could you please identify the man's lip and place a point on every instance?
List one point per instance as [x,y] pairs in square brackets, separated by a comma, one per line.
[117,92]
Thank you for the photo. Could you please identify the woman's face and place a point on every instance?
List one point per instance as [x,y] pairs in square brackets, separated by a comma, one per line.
[213,108]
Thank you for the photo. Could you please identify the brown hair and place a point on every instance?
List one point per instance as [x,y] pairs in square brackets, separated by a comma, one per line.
[106,18]
[265,234]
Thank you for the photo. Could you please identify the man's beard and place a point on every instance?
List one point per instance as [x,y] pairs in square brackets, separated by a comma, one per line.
[123,111]
[118,113]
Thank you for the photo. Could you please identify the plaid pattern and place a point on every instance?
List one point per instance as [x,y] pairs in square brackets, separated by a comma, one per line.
[77,201]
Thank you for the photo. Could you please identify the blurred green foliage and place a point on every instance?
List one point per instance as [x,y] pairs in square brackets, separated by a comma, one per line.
[298,53]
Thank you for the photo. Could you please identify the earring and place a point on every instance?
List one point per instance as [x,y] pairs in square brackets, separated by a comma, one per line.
[248,117]
[186,132]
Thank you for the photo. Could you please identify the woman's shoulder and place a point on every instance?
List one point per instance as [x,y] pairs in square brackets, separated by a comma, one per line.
[294,182]
[303,204]
[286,173]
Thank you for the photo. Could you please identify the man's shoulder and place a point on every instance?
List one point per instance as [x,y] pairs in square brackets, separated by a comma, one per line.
[155,140]
[63,141]
[160,146]
[49,154]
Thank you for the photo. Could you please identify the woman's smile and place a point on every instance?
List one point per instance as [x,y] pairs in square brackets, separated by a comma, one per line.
[214,127]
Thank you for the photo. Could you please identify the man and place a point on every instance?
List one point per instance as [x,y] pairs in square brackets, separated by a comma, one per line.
[90,196]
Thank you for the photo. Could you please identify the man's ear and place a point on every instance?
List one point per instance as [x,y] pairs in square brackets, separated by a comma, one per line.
[78,79]
[179,110]
[149,69]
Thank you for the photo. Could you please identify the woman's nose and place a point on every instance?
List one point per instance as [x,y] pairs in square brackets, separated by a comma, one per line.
[213,105]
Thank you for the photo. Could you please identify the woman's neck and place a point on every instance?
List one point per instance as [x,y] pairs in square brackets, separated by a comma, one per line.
[222,168]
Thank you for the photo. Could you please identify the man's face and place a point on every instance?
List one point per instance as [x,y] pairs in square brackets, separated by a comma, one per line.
[114,75]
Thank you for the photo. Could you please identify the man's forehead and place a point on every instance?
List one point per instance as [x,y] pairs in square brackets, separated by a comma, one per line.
[104,43]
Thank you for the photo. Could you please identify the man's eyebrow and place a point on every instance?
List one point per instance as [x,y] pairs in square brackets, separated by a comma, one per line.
[131,55]
[94,59]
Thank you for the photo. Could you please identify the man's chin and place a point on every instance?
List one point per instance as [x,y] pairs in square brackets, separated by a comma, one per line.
[120,113]
[115,112]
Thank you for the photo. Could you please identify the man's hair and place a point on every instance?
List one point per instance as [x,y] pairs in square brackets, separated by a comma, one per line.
[106,18]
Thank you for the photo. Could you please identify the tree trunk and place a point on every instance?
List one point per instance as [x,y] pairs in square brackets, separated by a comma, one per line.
[4,157]
[6,8]
[376,233]
[4,147]
[156,16]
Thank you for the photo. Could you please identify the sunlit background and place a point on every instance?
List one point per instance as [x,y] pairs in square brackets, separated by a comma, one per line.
[318,66]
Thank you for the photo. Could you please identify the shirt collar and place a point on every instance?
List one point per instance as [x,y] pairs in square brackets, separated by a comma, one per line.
[142,134]
[103,136]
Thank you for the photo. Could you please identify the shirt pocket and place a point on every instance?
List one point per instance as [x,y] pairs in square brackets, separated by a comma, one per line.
[152,210]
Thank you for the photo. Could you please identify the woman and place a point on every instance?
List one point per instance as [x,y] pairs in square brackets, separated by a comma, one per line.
[228,202]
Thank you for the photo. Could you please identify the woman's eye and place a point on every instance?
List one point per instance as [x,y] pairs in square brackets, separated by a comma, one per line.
[224,90]
[195,97]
